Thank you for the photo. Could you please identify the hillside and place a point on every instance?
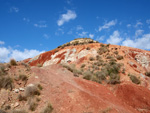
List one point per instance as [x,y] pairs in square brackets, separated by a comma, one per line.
[81,76]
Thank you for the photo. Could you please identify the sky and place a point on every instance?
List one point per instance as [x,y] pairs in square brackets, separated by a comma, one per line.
[30,27]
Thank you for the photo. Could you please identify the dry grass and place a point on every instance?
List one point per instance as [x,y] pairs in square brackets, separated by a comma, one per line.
[32,90]
[48,109]
[6,82]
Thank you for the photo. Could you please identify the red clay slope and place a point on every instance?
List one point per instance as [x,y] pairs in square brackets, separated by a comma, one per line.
[69,94]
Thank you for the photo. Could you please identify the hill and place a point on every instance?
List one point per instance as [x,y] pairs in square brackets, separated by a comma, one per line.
[81,76]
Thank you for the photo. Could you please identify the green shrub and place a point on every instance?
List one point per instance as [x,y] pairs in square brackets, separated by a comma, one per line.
[39,86]
[101,75]
[147,74]
[13,62]
[96,79]
[2,70]
[119,57]
[134,79]
[48,109]
[102,45]
[6,82]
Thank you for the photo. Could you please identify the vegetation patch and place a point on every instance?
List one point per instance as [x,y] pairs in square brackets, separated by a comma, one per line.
[48,109]
[134,79]
[13,62]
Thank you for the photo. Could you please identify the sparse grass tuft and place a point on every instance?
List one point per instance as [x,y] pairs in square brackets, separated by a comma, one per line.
[6,82]
[31,90]
[13,62]
[83,65]
[23,77]
[48,109]
[19,111]
[32,106]
[22,98]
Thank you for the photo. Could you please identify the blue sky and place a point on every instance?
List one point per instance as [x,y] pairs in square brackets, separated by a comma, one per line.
[29,27]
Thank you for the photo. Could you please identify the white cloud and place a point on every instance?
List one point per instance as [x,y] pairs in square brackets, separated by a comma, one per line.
[14,9]
[70,15]
[142,43]
[26,19]
[41,24]
[2,42]
[108,25]
[148,21]
[138,24]
[83,34]
[46,36]
[60,31]
[79,28]
[8,53]
[128,25]
[114,38]
[138,32]
[91,35]
[101,38]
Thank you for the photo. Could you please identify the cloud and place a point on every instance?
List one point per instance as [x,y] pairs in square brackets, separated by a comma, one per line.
[142,43]
[83,34]
[46,36]
[91,35]
[128,25]
[79,28]
[8,53]
[101,38]
[2,42]
[138,32]
[70,15]
[26,20]
[138,24]
[108,25]
[148,21]
[115,38]
[41,24]
[14,9]
[60,31]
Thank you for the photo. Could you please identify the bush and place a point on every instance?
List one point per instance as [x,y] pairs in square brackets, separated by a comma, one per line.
[48,109]
[23,77]
[102,50]
[2,70]
[19,111]
[22,98]
[13,62]
[114,79]
[134,79]
[83,65]
[6,82]
[101,75]
[116,52]
[96,79]
[91,58]
[31,90]
[119,57]
[147,74]
[109,57]
[102,45]
[32,106]
[88,48]
[87,75]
